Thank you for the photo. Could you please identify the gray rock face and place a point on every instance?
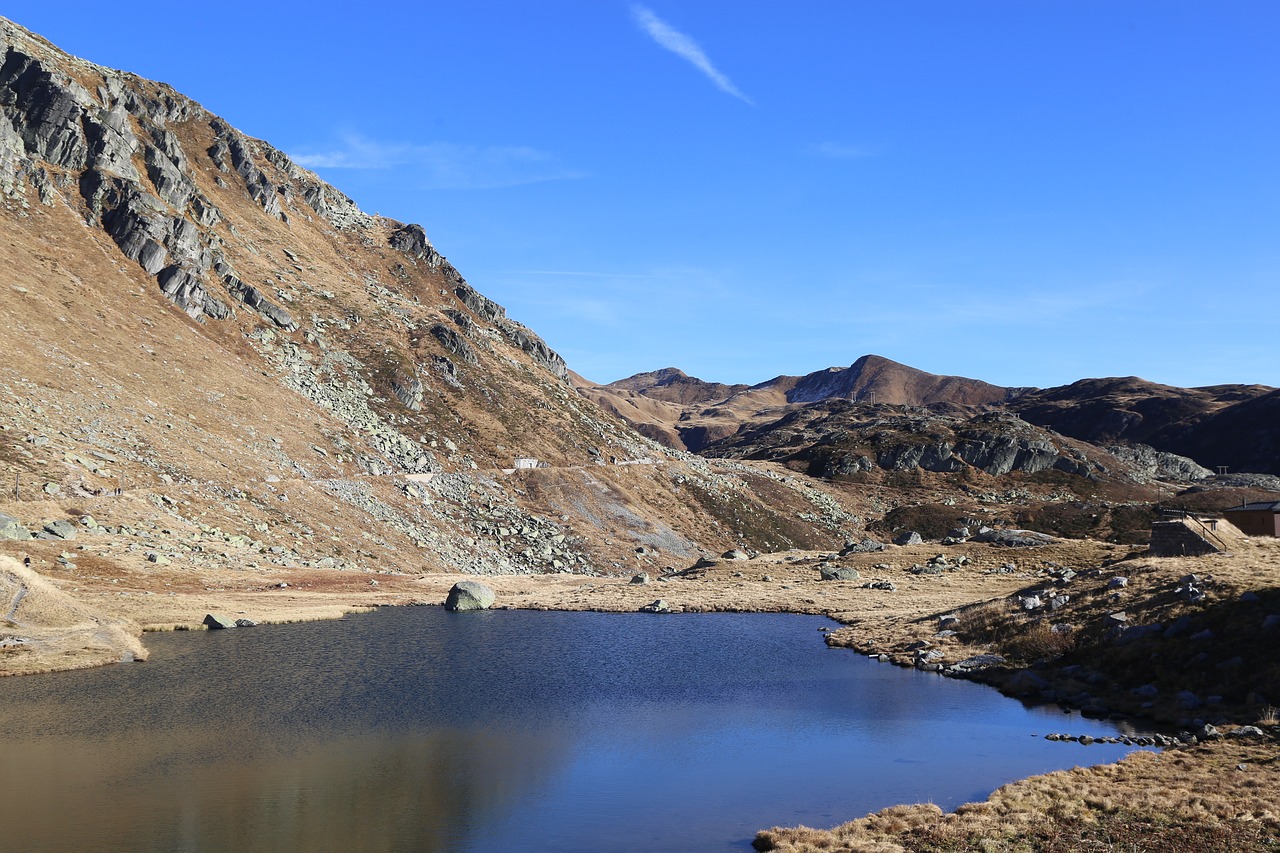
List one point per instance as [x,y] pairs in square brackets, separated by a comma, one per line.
[252,298]
[483,307]
[1156,464]
[938,456]
[412,240]
[1000,454]
[535,347]
[454,343]
[186,289]
[494,314]
[839,573]
[469,595]
[47,109]
[11,528]
[908,537]
[218,623]
[408,389]
[230,152]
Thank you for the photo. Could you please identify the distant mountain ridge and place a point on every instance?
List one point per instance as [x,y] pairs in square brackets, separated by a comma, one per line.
[1231,425]
[689,413]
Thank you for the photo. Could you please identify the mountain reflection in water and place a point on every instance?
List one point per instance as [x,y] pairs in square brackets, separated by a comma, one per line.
[417,729]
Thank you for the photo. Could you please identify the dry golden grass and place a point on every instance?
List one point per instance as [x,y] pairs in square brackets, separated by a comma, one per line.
[51,630]
[1220,797]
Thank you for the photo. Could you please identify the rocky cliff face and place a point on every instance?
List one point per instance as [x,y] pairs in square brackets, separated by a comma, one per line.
[199,328]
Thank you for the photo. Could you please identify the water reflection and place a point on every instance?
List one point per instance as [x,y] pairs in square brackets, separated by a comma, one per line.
[416,729]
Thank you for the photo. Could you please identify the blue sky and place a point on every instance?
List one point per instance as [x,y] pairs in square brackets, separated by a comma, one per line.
[1023,192]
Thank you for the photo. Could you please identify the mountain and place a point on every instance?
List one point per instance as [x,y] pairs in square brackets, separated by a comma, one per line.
[688,413]
[881,380]
[1243,436]
[1232,425]
[675,386]
[206,343]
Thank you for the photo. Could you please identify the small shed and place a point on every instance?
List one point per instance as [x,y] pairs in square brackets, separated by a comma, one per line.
[1256,519]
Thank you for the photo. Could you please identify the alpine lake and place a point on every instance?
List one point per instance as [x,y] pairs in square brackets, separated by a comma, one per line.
[417,729]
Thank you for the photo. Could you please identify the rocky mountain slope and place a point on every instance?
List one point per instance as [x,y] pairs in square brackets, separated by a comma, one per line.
[839,437]
[213,358]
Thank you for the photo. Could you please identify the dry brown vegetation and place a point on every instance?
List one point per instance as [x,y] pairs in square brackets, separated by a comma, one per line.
[1220,797]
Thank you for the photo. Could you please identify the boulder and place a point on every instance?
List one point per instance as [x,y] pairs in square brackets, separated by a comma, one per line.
[658,606]
[866,546]
[61,529]
[11,528]
[839,573]
[1013,538]
[469,595]
[642,577]
[1245,731]
[907,537]
[736,554]
[217,623]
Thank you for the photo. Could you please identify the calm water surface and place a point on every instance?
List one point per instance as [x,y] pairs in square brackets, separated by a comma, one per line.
[414,729]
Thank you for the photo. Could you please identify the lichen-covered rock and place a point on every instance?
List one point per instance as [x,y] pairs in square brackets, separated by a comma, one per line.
[11,528]
[839,573]
[60,529]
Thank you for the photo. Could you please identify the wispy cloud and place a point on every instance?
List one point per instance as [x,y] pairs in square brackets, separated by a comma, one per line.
[840,152]
[684,47]
[443,165]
